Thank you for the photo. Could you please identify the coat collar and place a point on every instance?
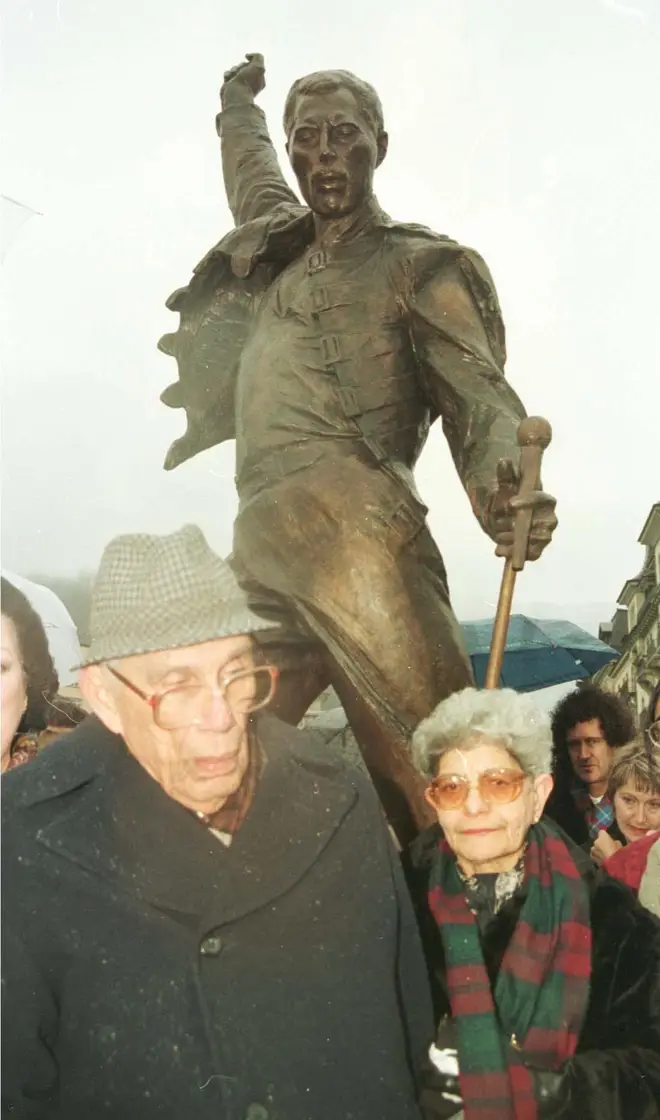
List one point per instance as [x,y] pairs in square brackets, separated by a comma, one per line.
[100,809]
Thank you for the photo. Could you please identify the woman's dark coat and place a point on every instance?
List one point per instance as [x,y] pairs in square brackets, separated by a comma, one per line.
[151,972]
[615,1073]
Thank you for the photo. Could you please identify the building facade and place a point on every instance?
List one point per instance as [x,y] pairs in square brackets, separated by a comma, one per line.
[635,627]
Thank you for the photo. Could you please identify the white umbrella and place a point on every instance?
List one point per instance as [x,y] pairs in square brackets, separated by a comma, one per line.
[58,624]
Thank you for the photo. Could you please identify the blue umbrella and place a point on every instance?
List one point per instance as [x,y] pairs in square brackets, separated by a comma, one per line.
[539,652]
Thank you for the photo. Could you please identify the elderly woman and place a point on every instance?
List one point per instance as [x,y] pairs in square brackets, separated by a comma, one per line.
[546,974]
[32,712]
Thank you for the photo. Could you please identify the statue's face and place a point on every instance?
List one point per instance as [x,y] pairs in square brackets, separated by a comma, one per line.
[333,152]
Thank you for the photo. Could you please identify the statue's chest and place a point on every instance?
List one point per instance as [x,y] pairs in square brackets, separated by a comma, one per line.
[344,291]
[331,332]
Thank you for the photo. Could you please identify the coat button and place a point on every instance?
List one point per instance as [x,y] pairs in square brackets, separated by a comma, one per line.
[211,946]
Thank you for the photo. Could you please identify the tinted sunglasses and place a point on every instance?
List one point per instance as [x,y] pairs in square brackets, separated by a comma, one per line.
[497,787]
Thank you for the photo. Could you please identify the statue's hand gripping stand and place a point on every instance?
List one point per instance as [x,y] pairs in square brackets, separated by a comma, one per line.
[534,435]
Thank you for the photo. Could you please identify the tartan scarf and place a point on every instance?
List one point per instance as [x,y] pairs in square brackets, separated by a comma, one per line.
[599,816]
[542,987]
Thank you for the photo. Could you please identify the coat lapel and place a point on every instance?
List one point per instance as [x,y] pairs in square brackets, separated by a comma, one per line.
[110,817]
[123,827]
[300,802]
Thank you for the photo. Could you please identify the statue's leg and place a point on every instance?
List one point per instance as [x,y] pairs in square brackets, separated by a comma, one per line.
[392,661]
[386,755]
[304,675]
[297,653]
[359,572]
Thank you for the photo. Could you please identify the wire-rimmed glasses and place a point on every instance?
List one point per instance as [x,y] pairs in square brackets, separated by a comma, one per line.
[500,786]
[245,691]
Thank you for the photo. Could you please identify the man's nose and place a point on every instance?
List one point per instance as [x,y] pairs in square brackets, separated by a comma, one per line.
[326,151]
[583,750]
[217,714]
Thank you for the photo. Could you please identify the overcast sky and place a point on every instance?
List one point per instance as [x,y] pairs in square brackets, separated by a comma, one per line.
[528,130]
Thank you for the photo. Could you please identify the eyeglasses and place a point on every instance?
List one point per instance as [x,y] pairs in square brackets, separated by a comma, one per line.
[499,787]
[244,692]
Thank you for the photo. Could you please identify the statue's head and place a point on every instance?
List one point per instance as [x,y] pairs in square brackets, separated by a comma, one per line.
[335,139]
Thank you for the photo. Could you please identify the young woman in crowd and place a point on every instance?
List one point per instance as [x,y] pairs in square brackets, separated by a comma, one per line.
[545,973]
[634,789]
[32,712]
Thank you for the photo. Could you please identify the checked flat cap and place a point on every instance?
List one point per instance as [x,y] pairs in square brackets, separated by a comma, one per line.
[155,593]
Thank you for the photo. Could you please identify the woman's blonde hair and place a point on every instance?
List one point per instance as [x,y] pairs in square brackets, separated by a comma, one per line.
[637,763]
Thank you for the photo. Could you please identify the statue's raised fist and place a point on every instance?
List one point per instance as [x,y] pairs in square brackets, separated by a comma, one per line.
[251,73]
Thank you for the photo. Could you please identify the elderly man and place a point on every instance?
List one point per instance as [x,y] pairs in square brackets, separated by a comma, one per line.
[203,915]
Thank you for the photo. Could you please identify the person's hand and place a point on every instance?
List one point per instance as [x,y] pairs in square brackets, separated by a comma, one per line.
[503,506]
[603,847]
[440,1087]
[439,1079]
[249,75]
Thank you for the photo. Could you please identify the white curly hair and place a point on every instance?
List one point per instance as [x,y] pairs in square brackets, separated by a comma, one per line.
[500,716]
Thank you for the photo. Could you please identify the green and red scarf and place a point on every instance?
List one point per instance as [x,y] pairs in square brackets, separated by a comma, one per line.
[541,990]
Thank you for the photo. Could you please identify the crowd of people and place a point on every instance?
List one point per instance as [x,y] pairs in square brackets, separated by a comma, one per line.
[205,914]
[606,793]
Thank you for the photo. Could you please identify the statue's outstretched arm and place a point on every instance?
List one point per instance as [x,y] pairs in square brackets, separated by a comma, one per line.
[253,177]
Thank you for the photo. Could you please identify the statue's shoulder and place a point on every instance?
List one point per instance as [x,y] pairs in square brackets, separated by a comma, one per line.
[407,240]
[414,234]
[419,253]
[417,256]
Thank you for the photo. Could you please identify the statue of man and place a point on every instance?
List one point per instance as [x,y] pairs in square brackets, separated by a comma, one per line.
[326,339]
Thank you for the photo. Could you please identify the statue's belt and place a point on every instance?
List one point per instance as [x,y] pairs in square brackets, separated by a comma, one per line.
[407,514]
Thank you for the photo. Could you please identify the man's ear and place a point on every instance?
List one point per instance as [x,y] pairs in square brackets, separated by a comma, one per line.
[382,144]
[97,691]
[543,786]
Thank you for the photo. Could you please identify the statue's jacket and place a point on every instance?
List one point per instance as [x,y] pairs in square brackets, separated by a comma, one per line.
[404,322]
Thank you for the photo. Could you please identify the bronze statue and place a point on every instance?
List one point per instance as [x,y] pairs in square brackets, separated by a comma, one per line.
[326,339]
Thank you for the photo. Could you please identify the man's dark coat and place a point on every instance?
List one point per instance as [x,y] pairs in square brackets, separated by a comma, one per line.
[152,972]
